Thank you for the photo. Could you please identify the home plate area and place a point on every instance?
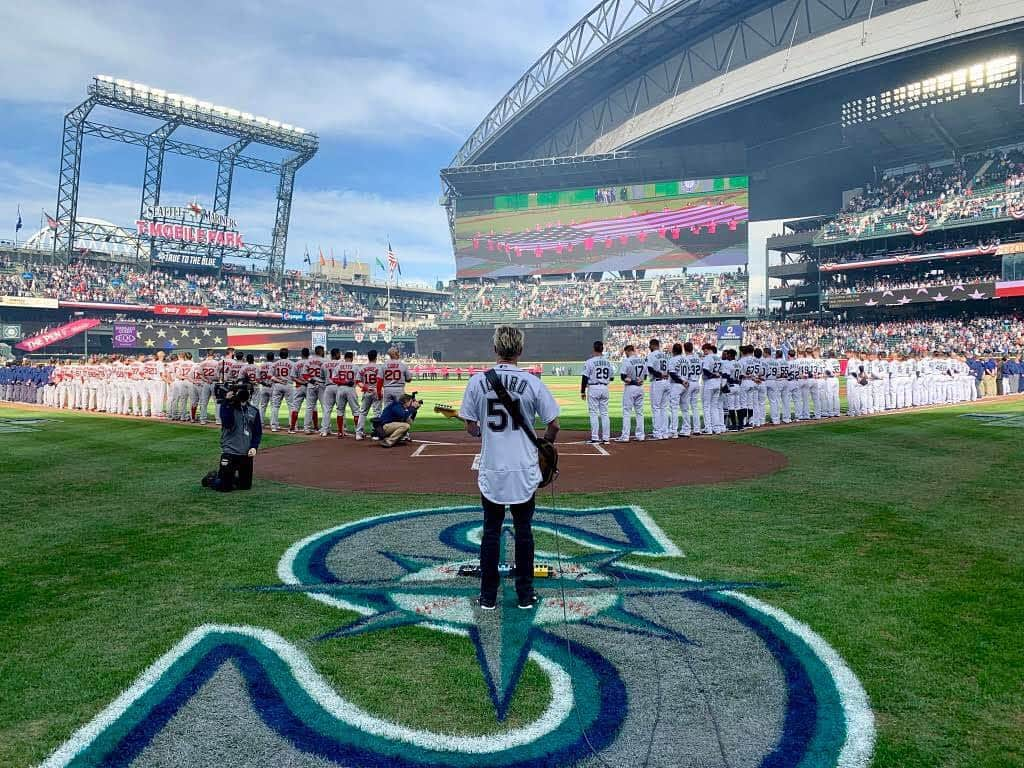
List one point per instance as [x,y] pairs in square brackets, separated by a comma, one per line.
[444,462]
[433,449]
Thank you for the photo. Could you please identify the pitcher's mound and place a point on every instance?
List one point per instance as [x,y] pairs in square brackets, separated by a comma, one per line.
[444,462]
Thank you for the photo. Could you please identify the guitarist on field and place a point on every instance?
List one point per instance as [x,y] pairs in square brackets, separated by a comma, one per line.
[509,474]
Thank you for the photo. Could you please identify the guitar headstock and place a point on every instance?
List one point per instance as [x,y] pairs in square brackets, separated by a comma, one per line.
[447,410]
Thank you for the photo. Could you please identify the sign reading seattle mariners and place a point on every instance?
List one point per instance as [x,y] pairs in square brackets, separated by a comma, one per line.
[642,666]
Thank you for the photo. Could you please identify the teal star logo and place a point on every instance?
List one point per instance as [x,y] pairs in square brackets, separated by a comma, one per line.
[586,589]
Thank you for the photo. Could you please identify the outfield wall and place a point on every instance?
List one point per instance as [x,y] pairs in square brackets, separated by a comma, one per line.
[550,343]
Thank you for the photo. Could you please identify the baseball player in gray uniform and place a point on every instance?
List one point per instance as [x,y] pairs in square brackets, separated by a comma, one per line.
[282,386]
[369,376]
[341,378]
[657,369]
[633,373]
[265,377]
[396,375]
[597,375]
[314,390]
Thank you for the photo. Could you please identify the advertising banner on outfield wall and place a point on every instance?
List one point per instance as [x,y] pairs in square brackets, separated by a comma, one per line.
[60,333]
[180,310]
[168,337]
[33,302]
[125,336]
[900,297]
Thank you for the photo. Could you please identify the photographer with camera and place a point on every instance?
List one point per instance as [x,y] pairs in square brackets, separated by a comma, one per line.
[240,434]
[397,418]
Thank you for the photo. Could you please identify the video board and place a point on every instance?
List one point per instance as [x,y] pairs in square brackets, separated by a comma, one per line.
[629,226]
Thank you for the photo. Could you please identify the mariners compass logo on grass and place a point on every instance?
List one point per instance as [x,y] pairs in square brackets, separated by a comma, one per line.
[642,666]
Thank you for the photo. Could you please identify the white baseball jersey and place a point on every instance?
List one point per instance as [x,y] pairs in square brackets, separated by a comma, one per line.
[658,361]
[508,458]
[712,364]
[634,368]
[598,370]
[677,368]
[692,365]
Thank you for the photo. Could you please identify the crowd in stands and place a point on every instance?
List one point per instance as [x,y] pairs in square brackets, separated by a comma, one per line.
[111,282]
[893,284]
[999,335]
[976,187]
[918,248]
[694,294]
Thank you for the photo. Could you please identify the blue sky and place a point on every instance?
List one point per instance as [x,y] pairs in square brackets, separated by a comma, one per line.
[391,88]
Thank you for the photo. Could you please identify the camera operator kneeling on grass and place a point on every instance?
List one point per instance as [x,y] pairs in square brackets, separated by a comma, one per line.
[396,419]
[240,433]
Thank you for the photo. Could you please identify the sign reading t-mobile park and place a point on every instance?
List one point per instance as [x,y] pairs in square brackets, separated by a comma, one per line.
[191,224]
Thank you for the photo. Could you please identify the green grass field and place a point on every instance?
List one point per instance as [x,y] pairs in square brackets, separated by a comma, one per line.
[897,538]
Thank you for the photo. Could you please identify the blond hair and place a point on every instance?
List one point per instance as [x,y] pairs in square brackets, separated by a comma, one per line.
[508,341]
[394,354]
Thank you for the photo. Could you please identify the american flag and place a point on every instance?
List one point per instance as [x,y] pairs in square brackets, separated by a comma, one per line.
[392,261]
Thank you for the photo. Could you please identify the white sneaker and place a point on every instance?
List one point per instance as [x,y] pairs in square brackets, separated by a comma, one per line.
[622,439]
[359,435]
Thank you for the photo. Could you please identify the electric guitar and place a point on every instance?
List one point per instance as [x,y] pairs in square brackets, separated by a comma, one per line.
[449,411]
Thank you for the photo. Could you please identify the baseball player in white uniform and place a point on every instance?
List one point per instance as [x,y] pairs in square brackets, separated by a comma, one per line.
[395,374]
[370,381]
[597,374]
[774,384]
[677,388]
[711,395]
[633,373]
[689,403]
[854,372]
[657,369]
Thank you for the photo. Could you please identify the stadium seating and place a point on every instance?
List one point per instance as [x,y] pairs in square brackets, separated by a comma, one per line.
[977,188]
[110,282]
[997,335]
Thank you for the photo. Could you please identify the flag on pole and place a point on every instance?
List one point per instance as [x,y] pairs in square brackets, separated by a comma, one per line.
[344,260]
[305,258]
[323,261]
[333,264]
[50,221]
[392,261]
[18,225]
[380,264]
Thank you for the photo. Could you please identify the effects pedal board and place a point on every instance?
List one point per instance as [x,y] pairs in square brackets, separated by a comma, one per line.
[506,570]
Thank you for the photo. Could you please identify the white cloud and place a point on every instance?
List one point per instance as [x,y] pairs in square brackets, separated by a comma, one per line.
[386,70]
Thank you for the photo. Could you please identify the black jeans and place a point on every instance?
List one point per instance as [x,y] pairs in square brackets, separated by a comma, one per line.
[235,473]
[494,516]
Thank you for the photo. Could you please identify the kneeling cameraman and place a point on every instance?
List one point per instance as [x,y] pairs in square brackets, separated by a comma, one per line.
[240,434]
[396,420]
